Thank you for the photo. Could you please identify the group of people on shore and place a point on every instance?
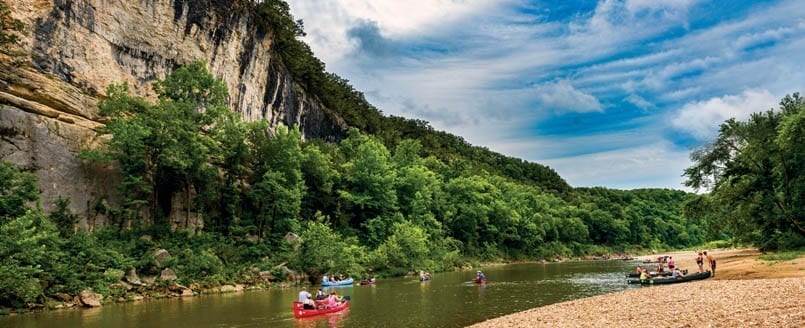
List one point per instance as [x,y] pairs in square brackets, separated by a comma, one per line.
[711,260]
[675,272]
[645,274]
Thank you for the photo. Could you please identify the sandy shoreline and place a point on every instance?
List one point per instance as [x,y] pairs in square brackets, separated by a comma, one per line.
[744,292]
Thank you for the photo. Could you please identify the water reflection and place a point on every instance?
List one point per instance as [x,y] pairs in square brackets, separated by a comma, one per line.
[330,320]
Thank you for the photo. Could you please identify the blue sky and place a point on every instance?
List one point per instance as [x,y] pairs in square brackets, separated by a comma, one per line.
[608,93]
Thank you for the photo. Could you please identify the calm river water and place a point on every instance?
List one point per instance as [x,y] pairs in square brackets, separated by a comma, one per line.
[449,300]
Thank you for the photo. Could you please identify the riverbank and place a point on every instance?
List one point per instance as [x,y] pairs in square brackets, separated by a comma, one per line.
[745,291]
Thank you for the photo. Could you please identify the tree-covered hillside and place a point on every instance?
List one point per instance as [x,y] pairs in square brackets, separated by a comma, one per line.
[337,94]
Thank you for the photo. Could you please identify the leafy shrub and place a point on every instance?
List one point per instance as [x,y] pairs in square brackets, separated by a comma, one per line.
[202,266]
[29,252]
[17,190]
[784,256]
[113,275]
[63,218]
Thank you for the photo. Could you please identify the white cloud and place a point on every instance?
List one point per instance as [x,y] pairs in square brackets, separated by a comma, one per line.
[561,96]
[328,21]
[702,119]
[639,101]
[654,165]
[669,8]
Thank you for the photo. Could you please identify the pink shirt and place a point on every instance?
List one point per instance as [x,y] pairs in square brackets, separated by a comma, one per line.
[331,301]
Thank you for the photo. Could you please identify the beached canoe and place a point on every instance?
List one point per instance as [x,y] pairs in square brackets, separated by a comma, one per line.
[299,310]
[671,280]
[345,282]
[654,274]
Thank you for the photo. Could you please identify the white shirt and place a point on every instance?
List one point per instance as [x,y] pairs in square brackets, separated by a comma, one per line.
[303,295]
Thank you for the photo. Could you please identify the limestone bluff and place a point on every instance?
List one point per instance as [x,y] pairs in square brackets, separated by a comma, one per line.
[71,50]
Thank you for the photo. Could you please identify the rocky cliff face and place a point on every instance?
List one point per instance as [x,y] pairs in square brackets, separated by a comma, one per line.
[73,49]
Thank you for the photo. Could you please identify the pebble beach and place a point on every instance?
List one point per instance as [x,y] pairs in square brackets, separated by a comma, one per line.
[778,300]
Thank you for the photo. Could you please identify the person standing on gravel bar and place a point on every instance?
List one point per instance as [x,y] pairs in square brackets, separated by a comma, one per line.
[700,262]
[712,260]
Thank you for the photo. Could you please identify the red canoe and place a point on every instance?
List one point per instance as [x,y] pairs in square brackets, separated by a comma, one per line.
[480,281]
[299,310]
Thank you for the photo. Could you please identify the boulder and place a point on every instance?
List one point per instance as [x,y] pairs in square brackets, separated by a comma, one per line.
[161,256]
[89,299]
[231,288]
[132,278]
[175,287]
[167,274]
[63,297]
[292,238]
[185,292]
[267,276]
[149,280]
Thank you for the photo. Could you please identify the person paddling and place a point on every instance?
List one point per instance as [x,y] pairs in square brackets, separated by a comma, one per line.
[333,300]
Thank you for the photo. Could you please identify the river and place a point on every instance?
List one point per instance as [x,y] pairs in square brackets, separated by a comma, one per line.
[449,300]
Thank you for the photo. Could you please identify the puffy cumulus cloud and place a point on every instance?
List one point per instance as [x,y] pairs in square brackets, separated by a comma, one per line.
[561,96]
[701,119]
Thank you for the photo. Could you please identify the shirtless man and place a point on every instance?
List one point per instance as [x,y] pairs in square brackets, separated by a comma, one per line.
[712,261]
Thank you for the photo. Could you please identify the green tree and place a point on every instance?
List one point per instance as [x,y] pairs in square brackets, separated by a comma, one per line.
[18,190]
[418,188]
[368,175]
[164,148]
[754,172]
[406,248]
[29,250]
[321,176]
[279,193]
[469,209]
[322,250]
[63,218]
